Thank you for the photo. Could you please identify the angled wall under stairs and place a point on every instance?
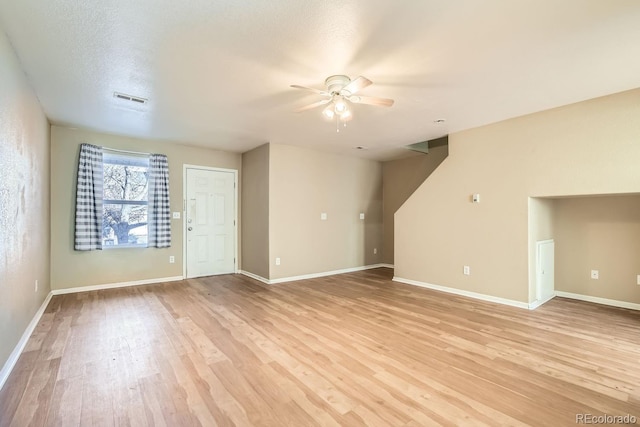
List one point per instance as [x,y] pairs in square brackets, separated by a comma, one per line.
[400,178]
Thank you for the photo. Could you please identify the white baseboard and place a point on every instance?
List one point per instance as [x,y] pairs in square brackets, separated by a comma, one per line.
[385,266]
[115,285]
[17,351]
[475,295]
[598,300]
[254,276]
[313,275]
[535,304]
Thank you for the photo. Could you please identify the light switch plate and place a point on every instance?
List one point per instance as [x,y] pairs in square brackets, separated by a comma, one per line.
[362,215]
[323,216]
[176,215]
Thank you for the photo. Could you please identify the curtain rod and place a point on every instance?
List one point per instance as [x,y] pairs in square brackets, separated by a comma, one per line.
[126,151]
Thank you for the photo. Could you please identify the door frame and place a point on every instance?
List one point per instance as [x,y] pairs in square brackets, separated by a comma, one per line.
[184,213]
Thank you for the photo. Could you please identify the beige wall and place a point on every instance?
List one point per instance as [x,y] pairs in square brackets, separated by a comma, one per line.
[586,148]
[70,268]
[24,202]
[255,212]
[400,178]
[598,233]
[304,183]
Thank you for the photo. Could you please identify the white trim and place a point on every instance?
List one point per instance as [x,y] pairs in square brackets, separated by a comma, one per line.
[236,186]
[255,276]
[115,285]
[385,265]
[469,294]
[598,300]
[312,275]
[535,304]
[17,351]
[545,241]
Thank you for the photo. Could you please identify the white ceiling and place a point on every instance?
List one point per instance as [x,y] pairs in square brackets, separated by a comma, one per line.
[217,72]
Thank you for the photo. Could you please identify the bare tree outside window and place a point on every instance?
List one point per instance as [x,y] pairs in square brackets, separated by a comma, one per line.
[124,220]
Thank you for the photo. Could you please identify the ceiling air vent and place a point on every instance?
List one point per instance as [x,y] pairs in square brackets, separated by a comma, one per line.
[131,98]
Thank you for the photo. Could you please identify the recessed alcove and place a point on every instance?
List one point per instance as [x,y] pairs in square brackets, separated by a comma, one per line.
[595,232]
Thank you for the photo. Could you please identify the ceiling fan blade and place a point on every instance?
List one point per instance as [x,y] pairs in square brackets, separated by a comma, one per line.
[358,84]
[319,92]
[314,105]
[370,100]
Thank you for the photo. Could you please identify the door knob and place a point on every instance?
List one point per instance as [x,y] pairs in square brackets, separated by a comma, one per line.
[190,228]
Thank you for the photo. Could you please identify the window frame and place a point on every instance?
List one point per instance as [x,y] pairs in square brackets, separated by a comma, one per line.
[119,158]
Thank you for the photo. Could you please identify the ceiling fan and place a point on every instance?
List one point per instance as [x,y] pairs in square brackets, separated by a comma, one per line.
[341,90]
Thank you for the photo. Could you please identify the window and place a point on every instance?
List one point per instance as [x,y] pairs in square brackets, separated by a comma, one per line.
[121,200]
[125,199]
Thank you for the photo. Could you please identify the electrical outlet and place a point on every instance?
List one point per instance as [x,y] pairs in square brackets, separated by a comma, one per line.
[466,270]
[362,215]
[595,274]
[172,259]
[36,285]
[176,215]
[323,216]
[277,261]
[375,251]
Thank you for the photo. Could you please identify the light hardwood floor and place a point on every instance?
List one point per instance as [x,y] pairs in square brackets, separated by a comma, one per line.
[348,350]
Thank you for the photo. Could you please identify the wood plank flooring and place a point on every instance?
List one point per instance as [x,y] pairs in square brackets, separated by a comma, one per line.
[349,350]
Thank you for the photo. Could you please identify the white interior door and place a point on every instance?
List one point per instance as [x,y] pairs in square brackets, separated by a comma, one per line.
[545,255]
[210,222]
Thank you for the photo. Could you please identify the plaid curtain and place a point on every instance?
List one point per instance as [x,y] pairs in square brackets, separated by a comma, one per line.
[88,230]
[159,214]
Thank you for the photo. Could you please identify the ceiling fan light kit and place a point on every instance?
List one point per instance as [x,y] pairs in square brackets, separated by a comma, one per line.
[329,112]
[339,104]
[339,93]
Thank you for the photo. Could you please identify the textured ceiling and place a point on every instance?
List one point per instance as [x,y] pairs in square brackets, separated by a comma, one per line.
[217,73]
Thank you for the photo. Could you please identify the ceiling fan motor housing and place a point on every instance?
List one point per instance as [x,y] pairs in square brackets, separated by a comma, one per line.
[336,83]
